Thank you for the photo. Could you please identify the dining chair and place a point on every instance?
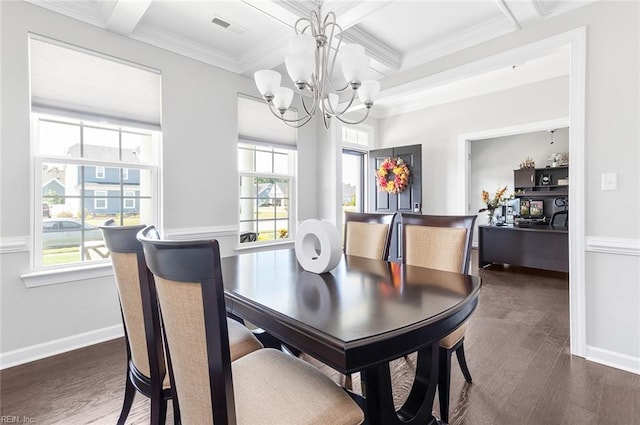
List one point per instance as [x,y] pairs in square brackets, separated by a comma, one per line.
[366,235]
[266,386]
[146,365]
[443,243]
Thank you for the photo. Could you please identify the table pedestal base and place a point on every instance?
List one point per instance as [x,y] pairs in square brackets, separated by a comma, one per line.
[418,407]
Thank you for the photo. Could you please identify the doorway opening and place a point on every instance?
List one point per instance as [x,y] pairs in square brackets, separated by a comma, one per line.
[576,41]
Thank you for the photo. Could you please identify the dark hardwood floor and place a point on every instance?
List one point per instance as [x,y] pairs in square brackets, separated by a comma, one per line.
[517,349]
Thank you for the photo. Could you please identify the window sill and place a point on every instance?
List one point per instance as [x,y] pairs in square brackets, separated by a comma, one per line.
[265,246]
[66,275]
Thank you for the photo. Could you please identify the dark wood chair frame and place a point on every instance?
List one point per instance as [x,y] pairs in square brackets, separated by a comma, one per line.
[122,239]
[444,370]
[199,262]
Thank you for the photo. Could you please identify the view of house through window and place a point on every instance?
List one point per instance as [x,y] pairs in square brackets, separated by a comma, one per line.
[266,178]
[89,173]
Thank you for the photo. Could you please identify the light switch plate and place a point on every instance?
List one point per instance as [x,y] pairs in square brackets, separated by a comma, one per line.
[609,181]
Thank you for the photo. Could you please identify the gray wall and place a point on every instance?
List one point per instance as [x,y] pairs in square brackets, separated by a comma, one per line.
[612,231]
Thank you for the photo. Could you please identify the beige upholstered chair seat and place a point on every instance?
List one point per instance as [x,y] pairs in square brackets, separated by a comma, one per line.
[452,339]
[241,340]
[271,387]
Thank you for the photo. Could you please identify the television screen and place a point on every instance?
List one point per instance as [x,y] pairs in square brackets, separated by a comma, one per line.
[536,208]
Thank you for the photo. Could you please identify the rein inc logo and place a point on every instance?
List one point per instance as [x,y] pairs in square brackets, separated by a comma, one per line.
[8,419]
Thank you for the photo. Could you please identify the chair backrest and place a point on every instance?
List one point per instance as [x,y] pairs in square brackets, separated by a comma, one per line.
[190,291]
[138,300]
[437,241]
[559,219]
[368,235]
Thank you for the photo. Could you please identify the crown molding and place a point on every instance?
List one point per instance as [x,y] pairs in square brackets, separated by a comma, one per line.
[447,45]
[559,8]
[378,51]
[81,10]
[169,41]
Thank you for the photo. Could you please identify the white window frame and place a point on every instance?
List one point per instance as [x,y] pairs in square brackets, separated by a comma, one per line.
[100,172]
[361,128]
[48,274]
[365,150]
[291,178]
[100,196]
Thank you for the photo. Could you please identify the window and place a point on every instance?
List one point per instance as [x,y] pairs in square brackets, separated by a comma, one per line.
[355,136]
[353,180]
[266,192]
[356,141]
[95,147]
[100,201]
[80,177]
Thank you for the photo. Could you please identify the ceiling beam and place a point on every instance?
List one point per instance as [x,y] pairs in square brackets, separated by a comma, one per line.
[525,12]
[507,12]
[125,15]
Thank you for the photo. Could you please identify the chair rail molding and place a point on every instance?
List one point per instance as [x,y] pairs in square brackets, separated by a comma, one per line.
[14,244]
[209,232]
[619,246]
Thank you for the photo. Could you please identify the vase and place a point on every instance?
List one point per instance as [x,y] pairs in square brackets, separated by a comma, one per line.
[491,216]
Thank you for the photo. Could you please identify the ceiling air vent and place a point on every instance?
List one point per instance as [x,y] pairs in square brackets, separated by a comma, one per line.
[220,22]
[223,23]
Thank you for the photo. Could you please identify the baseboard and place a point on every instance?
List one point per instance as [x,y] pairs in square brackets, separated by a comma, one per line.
[613,359]
[62,345]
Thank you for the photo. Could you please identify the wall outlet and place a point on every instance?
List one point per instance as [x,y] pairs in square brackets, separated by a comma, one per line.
[609,181]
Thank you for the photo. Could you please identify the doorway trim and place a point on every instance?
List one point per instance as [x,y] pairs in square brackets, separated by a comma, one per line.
[576,40]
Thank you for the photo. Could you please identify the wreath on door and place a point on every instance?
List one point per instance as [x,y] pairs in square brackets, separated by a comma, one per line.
[393,175]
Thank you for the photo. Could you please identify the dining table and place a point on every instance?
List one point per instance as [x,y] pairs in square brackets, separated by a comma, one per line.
[356,318]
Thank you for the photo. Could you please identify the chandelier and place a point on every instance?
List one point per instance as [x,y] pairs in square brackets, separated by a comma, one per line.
[315,51]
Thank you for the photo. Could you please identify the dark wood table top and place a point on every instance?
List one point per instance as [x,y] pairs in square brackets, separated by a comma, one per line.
[362,313]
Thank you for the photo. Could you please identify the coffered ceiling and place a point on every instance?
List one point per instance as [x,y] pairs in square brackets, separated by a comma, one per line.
[243,36]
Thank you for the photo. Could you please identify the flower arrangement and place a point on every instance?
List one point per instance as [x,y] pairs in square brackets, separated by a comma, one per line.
[493,203]
[393,175]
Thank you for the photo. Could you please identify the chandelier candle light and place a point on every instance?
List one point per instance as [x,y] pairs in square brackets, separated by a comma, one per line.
[314,51]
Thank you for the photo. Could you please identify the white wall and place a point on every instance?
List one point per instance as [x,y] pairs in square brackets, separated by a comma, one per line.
[611,144]
[199,108]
